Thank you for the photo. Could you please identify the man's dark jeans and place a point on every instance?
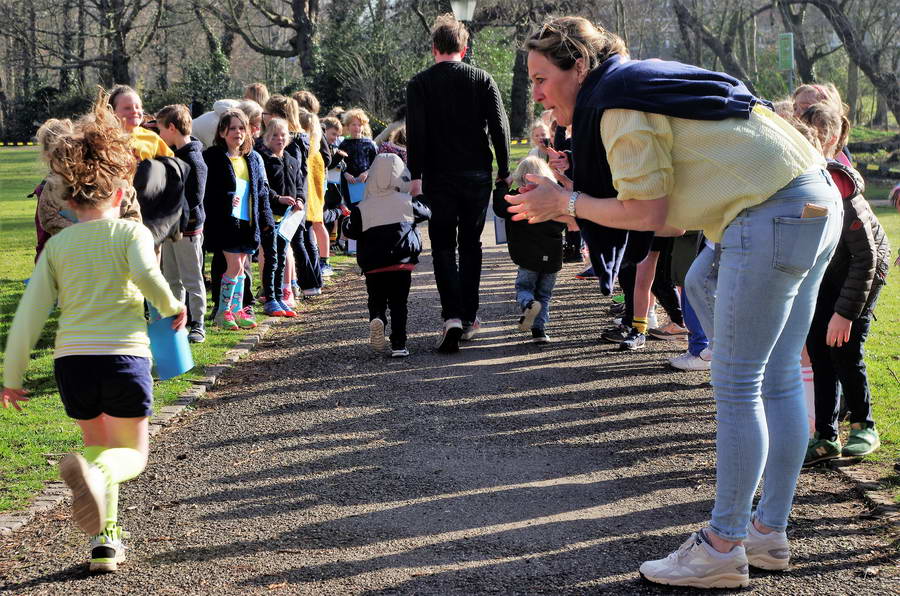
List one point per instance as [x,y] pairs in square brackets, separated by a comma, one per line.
[459,203]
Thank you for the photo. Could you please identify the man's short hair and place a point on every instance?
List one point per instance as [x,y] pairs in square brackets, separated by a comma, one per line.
[178,115]
[448,35]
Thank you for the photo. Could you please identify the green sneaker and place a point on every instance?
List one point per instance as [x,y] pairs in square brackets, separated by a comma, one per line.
[821,450]
[245,318]
[107,550]
[225,320]
[862,441]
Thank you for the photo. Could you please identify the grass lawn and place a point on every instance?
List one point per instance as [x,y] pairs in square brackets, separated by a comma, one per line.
[31,442]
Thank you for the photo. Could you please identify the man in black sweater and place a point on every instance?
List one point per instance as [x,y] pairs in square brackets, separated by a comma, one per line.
[452,109]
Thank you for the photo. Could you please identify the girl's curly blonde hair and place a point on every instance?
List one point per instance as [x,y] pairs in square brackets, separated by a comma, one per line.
[94,158]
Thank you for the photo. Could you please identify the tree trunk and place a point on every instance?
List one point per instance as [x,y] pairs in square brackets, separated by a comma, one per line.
[852,89]
[881,112]
[521,106]
[66,75]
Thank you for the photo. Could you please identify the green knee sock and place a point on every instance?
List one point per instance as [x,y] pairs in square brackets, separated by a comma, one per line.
[91,453]
[120,464]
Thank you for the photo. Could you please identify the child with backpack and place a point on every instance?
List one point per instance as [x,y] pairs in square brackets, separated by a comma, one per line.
[536,248]
[99,271]
[388,246]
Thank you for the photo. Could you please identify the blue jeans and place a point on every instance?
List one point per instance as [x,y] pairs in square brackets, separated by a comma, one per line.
[756,295]
[532,285]
[697,340]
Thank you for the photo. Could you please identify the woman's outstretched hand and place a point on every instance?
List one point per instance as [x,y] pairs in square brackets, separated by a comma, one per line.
[541,200]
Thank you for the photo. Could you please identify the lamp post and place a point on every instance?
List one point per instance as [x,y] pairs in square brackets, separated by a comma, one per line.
[464,10]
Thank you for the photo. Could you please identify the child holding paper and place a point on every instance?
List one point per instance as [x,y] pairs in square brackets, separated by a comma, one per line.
[237,212]
[99,271]
[286,197]
[360,153]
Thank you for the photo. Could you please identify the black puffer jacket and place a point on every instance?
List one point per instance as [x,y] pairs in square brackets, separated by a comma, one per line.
[536,247]
[195,185]
[861,258]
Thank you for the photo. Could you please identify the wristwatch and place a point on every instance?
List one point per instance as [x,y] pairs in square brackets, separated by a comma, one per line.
[572,199]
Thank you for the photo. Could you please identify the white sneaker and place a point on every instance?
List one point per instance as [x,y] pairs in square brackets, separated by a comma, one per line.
[88,485]
[767,551]
[688,361]
[451,333]
[699,565]
[529,314]
[376,335]
[399,353]
[470,330]
[107,550]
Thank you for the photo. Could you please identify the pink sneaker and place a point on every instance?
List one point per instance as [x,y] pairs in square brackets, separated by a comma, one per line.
[287,297]
[245,318]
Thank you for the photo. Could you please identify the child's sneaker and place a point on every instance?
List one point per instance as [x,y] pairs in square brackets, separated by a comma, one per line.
[287,310]
[376,335]
[697,564]
[310,292]
[470,330]
[862,441]
[245,318]
[635,340]
[615,334]
[197,334]
[107,550]
[88,485]
[399,353]
[451,332]
[767,551]
[529,314]
[539,336]
[273,308]
[225,320]
[587,274]
[327,270]
[821,450]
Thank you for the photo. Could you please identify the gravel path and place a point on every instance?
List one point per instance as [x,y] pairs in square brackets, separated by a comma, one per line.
[316,467]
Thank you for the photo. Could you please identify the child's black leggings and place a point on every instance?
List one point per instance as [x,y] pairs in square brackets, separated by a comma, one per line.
[390,289]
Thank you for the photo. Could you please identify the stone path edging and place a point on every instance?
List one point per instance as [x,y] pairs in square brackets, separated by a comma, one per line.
[55,491]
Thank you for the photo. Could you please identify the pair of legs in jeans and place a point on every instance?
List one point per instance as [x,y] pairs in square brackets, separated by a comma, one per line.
[306,258]
[756,296]
[458,204]
[534,285]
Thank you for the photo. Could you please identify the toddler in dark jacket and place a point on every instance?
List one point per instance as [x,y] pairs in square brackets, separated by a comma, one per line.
[536,248]
[388,247]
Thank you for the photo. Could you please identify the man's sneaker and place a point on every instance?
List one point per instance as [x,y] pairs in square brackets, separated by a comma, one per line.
[539,336]
[470,330]
[767,551]
[310,292]
[669,331]
[197,334]
[529,314]
[615,334]
[451,332]
[399,353]
[376,335]
[245,318]
[688,361]
[635,340]
[587,274]
[697,564]
[273,308]
[327,270]
[225,320]
[862,441]
[107,550]
[821,450]
[287,310]
[88,485]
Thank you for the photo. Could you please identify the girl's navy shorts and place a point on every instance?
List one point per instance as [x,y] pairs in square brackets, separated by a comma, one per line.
[119,386]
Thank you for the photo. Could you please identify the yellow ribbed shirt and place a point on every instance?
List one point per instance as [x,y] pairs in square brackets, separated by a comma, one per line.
[99,272]
[710,170]
[315,190]
[147,144]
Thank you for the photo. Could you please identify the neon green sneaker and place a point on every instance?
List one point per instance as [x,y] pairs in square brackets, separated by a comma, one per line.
[245,318]
[107,550]
[862,441]
[821,450]
[225,320]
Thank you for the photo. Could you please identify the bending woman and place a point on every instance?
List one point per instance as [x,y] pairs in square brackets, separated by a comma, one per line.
[663,146]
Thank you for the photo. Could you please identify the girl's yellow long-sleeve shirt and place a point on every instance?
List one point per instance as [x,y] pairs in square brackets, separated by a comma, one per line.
[315,192]
[99,272]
